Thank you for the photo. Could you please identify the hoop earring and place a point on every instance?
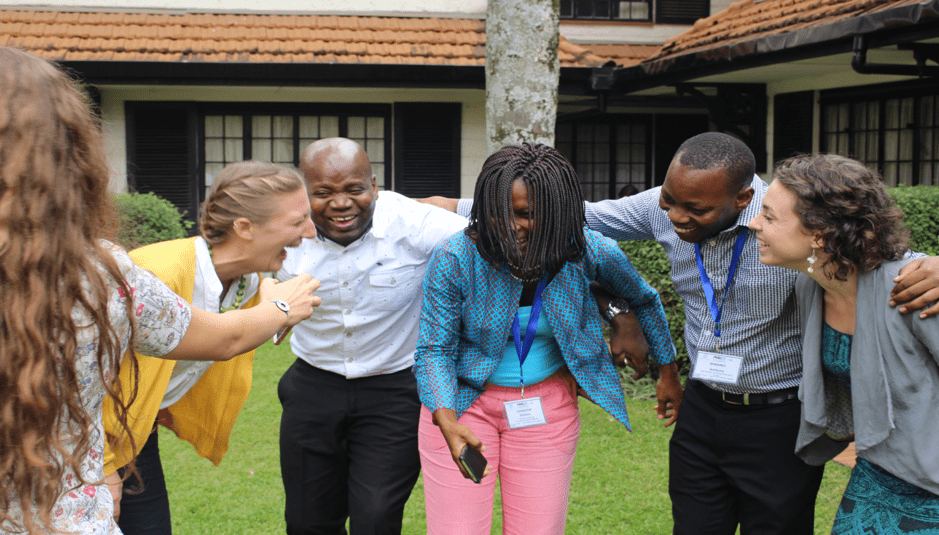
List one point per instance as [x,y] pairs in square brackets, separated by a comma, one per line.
[812,259]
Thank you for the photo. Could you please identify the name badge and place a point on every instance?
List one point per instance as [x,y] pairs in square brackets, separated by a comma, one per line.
[717,368]
[524,413]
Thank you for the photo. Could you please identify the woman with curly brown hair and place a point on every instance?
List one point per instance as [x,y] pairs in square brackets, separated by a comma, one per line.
[870,373]
[253,212]
[73,304]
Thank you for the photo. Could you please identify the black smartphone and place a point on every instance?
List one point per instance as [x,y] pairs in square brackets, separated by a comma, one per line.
[474,462]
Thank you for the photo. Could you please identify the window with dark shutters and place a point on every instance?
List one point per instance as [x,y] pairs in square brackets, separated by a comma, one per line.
[681,11]
[792,124]
[161,153]
[427,149]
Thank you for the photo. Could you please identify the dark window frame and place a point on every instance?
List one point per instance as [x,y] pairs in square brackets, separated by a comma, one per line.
[612,121]
[249,109]
[573,10]
[880,94]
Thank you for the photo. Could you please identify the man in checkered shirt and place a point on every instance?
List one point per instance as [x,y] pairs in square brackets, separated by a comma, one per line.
[731,458]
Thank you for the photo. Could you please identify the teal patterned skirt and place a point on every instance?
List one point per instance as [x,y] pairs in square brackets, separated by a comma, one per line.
[877,503]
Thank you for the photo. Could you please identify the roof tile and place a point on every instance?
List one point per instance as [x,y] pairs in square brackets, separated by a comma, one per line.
[750,19]
[207,37]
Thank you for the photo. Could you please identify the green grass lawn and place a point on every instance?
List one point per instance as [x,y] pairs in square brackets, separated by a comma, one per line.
[620,483]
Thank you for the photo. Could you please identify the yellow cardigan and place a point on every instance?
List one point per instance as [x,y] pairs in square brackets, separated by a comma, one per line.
[206,414]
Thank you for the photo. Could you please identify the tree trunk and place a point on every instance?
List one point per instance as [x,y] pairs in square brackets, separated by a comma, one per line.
[522,71]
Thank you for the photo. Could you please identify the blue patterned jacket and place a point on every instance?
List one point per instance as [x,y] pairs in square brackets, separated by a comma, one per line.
[469,306]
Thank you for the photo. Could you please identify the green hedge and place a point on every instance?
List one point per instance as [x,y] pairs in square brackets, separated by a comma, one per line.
[920,205]
[652,263]
[146,218]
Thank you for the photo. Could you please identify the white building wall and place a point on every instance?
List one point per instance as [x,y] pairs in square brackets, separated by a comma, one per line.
[473,136]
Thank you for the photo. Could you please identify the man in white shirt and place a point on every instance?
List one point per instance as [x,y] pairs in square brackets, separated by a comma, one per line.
[348,436]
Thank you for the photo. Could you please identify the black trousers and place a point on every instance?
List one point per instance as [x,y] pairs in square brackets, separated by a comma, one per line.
[734,464]
[348,449]
[145,506]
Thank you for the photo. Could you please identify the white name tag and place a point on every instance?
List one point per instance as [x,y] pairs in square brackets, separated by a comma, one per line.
[524,413]
[717,368]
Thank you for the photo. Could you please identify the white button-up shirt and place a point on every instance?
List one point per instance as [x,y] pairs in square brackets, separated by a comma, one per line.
[371,289]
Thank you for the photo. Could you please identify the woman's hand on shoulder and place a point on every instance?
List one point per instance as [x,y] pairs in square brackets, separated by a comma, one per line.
[296,292]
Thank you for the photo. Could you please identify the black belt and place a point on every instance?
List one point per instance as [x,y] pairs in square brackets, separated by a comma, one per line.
[763,398]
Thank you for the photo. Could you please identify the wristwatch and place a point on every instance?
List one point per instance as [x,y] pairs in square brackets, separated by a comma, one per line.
[616,306]
[286,308]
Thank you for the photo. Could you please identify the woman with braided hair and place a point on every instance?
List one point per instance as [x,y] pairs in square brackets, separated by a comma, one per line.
[509,336]
[253,212]
[73,304]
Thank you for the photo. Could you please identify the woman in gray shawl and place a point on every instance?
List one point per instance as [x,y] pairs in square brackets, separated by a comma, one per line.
[871,374]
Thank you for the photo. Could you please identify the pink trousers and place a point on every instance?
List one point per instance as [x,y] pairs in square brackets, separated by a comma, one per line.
[533,464]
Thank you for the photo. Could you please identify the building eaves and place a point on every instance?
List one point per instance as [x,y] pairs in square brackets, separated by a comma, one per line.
[753,33]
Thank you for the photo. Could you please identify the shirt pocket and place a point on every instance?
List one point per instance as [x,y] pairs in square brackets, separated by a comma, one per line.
[393,289]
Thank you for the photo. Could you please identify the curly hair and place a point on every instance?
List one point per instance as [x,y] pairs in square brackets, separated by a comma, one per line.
[714,150]
[557,209]
[848,205]
[244,189]
[54,212]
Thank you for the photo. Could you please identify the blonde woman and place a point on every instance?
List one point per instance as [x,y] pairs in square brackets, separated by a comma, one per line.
[253,213]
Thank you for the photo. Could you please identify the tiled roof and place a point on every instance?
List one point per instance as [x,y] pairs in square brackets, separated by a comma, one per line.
[623,55]
[748,20]
[204,37]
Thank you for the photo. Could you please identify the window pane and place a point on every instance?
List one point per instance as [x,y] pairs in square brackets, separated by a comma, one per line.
[329,126]
[213,126]
[890,174]
[375,150]
[602,133]
[233,126]
[309,127]
[214,151]
[261,150]
[376,127]
[356,127]
[283,126]
[379,170]
[905,173]
[563,134]
[283,151]
[233,150]
[873,115]
[261,126]
[890,145]
[211,171]
[893,113]
[906,144]
[584,133]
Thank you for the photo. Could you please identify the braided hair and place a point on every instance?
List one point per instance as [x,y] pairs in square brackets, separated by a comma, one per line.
[556,205]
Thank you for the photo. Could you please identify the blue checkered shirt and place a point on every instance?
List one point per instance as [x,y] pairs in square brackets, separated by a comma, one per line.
[759,321]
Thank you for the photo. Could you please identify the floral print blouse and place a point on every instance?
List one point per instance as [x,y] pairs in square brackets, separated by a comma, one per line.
[161,320]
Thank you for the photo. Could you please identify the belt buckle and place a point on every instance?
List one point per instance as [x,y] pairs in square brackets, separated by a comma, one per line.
[746,399]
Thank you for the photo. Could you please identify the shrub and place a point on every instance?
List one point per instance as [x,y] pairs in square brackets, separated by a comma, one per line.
[146,218]
[652,263]
[920,205]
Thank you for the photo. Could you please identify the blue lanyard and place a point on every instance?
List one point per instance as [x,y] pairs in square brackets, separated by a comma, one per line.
[717,310]
[522,348]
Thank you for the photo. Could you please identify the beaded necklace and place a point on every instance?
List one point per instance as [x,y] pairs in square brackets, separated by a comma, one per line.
[239,295]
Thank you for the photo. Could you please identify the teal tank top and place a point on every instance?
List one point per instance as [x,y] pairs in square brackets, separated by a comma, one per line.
[544,358]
